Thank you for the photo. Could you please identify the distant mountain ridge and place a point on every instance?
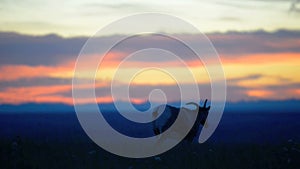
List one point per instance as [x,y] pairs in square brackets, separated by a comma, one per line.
[280,106]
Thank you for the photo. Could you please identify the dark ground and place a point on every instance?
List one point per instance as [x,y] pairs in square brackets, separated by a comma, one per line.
[56,141]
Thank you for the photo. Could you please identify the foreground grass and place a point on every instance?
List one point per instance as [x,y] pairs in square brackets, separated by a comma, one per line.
[83,154]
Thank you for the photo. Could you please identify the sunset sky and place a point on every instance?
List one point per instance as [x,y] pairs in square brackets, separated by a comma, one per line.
[258,42]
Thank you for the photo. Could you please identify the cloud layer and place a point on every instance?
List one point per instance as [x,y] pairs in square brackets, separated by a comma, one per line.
[258,65]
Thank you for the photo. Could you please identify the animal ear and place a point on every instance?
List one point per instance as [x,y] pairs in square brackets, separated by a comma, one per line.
[205,103]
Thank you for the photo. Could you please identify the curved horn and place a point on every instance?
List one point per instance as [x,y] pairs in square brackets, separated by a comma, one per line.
[195,104]
[204,106]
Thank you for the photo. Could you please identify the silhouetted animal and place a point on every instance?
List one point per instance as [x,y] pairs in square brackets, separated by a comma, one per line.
[170,114]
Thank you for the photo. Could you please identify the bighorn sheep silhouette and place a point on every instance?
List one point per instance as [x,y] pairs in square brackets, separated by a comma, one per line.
[170,114]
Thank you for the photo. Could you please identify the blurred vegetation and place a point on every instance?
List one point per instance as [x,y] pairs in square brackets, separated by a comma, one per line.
[82,153]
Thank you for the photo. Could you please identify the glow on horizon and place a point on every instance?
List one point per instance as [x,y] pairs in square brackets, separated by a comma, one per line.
[273,73]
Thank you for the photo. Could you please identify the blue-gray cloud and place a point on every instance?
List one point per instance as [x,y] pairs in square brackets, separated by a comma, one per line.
[37,81]
[53,49]
[37,50]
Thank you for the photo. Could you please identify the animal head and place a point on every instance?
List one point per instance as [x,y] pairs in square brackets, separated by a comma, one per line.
[202,112]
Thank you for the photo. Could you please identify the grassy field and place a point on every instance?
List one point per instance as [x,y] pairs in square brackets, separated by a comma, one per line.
[242,141]
[84,154]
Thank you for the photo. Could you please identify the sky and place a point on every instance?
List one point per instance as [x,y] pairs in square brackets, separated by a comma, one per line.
[258,42]
[78,17]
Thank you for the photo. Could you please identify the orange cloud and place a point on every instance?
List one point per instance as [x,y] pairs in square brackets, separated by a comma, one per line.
[106,99]
[297,91]
[14,72]
[46,94]
[262,58]
[259,93]
[137,100]
[34,94]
